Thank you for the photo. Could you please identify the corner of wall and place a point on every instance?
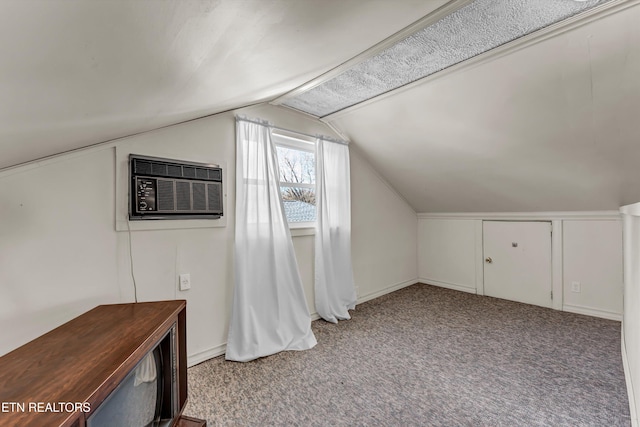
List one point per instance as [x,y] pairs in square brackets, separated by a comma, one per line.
[384,232]
[627,376]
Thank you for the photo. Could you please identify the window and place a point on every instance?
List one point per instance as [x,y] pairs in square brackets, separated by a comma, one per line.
[297,163]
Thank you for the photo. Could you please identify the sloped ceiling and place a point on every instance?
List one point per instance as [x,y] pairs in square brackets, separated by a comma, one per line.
[75,72]
[553,126]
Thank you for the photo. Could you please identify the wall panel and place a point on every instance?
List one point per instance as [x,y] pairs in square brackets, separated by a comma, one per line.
[587,248]
[592,257]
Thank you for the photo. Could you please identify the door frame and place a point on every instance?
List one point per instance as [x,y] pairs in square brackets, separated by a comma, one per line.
[556,257]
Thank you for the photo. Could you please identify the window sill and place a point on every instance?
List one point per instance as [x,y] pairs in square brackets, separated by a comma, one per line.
[302,229]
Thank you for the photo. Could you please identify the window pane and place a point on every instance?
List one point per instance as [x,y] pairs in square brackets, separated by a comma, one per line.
[299,204]
[296,166]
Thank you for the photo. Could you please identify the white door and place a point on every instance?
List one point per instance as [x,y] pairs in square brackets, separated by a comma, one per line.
[517,261]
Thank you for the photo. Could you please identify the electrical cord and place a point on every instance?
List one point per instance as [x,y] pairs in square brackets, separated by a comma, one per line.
[133,276]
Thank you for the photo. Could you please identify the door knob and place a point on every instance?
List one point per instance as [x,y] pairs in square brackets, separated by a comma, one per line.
[488,260]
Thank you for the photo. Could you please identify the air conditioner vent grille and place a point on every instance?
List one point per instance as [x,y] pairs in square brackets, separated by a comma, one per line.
[183,193]
[199,198]
[143,168]
[214,192]
[202,173]
[165,195]
[174,171]
[188,172]
[159,169]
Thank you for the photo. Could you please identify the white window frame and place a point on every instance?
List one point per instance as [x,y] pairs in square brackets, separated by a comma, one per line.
[299,142]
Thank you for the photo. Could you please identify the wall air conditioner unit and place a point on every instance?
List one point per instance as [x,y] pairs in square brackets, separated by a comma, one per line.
[173,189]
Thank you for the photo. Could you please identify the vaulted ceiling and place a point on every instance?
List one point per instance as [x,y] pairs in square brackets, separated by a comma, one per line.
[550,126]
[546,124]
[76,72]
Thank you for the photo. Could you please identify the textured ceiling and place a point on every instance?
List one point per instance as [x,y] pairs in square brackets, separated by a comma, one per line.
[75,73]
[465,33]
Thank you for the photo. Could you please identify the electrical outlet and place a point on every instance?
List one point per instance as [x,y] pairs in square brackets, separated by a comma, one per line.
[575,287]
[185,281]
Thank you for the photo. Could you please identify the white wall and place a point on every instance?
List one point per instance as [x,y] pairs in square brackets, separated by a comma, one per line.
[383,227]
[447,253]
[631,320]
[57,244]
[60,253]
[587,247]
[592,255]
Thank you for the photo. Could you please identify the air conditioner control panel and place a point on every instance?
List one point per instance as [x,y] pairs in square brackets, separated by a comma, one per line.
[145,195]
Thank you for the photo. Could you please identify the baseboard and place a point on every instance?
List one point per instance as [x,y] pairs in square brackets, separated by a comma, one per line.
[525,216]
[627,377]
[205,355]
[590,311]
[387,290]
[453,286]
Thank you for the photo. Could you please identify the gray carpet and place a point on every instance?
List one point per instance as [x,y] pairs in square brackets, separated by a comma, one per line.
[428,356]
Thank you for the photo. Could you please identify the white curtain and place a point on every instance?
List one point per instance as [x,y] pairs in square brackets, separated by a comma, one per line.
[269,312]
[334,288]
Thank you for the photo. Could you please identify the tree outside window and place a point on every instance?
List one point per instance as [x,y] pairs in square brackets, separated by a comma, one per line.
[298,181]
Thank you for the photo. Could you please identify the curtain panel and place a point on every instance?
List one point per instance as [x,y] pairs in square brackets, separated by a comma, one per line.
[334,287]
[269,312]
